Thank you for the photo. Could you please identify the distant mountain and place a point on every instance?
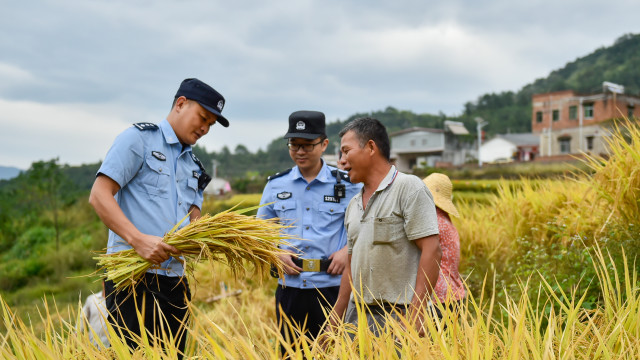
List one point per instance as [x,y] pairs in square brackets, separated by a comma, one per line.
[511,111]
[7,172]
[506,111]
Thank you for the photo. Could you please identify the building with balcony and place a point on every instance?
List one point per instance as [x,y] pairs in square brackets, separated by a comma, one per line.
[426,147]
[570,123]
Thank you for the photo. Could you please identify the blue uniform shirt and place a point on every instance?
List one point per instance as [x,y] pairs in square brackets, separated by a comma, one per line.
[314,217]
[158,180]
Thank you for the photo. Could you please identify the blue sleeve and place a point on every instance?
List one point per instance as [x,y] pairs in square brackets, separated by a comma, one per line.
[124,158]
[199,198]
[343,237]
[266,211]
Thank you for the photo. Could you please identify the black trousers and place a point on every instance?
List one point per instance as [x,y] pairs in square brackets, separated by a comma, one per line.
[162,301]
[304,304]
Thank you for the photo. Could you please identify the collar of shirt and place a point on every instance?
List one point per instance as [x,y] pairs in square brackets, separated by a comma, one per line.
[385,183]
[324,175]
[388,180]
[170,135]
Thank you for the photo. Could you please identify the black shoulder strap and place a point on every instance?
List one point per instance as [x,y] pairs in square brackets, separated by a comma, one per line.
[146,126]
[277,175]
[343,175]
[204,178]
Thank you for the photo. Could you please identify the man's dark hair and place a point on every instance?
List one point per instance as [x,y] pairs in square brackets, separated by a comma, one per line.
[366,129]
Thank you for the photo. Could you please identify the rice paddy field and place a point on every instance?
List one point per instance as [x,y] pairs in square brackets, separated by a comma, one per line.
[551,267]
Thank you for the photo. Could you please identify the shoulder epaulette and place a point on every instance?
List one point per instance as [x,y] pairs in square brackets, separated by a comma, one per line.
[146,126]
[277,175]
[343,175]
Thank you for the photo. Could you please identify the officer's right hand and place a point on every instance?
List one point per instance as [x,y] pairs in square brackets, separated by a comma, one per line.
[289,267]
[153,249]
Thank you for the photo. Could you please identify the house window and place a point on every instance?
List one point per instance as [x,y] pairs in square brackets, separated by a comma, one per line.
[573,112]
[565,145]
[424,141]
[630,109]
[556,115]
[589,142]
[588,111]
[412,143]
[538,116]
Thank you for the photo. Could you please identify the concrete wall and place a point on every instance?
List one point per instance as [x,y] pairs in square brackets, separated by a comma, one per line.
[418,141]
[572,136]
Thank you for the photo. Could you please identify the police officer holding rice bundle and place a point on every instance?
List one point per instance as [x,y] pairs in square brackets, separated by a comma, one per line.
[312,197]
[149,181]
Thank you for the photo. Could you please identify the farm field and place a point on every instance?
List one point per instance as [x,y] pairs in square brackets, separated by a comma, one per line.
[550,265]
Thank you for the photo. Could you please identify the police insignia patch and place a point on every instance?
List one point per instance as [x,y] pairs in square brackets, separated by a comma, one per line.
[196,174]
[158,155]
[284,195]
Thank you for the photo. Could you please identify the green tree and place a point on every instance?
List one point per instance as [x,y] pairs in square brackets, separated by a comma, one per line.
[46,184]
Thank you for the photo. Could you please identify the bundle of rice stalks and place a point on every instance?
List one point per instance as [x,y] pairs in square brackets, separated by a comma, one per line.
[229,236]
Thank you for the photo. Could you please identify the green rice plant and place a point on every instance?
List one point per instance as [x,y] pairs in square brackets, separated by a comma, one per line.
[544,210]
[229,236]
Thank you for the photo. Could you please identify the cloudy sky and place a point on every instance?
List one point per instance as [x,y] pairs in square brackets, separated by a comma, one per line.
[74,74]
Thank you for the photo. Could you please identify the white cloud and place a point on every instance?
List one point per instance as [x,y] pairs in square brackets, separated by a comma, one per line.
[74,133]
[96,66]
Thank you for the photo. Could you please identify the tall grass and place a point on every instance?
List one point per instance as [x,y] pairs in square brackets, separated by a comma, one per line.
[528,331]
[586,204]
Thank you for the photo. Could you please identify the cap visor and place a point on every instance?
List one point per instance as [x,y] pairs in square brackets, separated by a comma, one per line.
[302,136]
[220,119]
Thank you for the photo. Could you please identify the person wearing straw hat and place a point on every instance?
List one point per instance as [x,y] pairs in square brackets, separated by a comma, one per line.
[449,289]
[149,181]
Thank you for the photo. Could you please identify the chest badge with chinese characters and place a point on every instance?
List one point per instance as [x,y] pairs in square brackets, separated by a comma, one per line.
[284,195]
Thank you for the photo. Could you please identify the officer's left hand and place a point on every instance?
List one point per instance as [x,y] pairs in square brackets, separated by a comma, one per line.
[338,262]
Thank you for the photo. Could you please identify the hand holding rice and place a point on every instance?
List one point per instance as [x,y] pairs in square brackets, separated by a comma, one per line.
[229,236]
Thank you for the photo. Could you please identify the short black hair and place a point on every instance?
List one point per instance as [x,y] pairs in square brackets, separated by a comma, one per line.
[366,129]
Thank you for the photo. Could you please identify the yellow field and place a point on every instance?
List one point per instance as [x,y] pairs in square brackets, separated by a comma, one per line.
[535,234]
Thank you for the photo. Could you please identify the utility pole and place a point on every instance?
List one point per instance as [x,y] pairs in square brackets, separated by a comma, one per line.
[481,123]
[214,163]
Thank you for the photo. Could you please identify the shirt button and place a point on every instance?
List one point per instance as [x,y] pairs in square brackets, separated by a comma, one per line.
[308,188]
[307,209]
[331,210]
[180,203]
[306,228]
[160,169]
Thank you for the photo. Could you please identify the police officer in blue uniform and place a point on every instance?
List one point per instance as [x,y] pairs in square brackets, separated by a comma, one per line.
[149,181]
[312,197]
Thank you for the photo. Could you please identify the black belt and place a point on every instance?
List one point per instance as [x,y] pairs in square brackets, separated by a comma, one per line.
[312,264]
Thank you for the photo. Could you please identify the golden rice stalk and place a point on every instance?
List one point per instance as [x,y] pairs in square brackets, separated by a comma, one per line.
[229,236]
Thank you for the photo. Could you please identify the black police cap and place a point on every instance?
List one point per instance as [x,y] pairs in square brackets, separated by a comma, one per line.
[205,95]
[306,125]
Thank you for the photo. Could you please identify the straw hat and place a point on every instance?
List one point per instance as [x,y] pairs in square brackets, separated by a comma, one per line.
[441,189]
